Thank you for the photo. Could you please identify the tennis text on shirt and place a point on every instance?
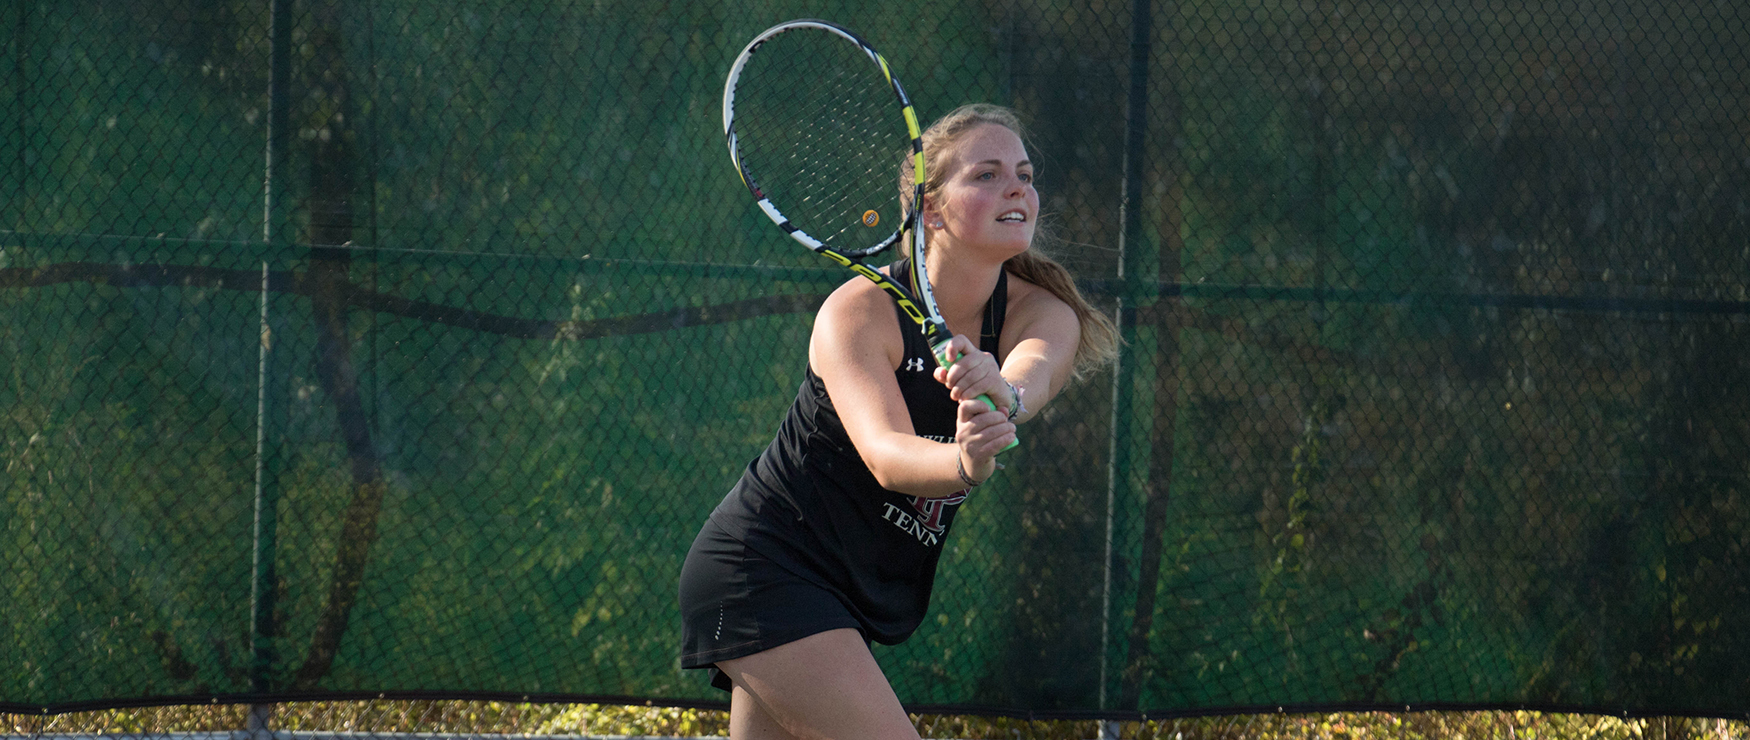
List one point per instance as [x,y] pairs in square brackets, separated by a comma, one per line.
[925,521]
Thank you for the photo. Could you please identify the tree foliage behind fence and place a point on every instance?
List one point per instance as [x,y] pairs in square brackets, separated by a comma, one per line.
[399,349]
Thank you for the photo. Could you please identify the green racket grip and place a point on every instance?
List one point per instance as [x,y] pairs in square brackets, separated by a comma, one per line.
[1013,443]
[945,360]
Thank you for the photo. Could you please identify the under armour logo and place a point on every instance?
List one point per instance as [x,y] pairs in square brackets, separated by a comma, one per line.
[915,364]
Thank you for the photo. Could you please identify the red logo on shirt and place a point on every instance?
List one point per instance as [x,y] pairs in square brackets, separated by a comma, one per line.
[930,510]
[926,525]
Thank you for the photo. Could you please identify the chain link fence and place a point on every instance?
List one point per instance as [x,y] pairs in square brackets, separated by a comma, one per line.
[399,349]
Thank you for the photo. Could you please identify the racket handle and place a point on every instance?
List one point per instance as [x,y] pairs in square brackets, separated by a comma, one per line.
[942,357]
[1013,443]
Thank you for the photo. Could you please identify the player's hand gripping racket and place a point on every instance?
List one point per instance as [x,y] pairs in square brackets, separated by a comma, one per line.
[816,122]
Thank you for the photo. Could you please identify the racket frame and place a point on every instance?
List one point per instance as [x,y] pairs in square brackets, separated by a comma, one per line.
[918,302]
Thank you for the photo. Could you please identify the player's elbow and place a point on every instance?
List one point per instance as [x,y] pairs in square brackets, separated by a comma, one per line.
[885,476]
[888,466]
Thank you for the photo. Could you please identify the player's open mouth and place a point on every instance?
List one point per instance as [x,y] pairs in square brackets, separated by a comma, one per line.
[1013,217]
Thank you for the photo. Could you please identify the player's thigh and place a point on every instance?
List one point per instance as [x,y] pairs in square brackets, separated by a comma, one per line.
[826,685]
[749,721]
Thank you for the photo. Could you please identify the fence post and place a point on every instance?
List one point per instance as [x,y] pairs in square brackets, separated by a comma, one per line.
[264,584]
[1131,290]
[259,727]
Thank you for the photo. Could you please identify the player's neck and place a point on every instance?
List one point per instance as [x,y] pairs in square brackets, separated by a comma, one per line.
[962,285]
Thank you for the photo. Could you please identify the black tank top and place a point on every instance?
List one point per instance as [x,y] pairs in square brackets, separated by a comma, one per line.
[809,504]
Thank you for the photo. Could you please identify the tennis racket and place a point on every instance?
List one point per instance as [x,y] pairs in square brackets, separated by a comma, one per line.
[816,124]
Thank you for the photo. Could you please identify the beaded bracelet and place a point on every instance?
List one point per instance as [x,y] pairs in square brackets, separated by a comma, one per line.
[960,467]
[1018,408]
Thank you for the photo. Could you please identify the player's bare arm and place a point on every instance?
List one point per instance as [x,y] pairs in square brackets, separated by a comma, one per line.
[855,349]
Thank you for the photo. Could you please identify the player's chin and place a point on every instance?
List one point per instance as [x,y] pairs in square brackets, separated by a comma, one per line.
[1012,235]
[1014,242]
[1011,238]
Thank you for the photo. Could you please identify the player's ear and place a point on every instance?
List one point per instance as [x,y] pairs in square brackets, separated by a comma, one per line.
[932,217]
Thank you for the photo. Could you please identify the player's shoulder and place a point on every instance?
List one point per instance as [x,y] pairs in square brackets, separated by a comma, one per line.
[857,319]
[1032,302]
[857,298]
[858,309]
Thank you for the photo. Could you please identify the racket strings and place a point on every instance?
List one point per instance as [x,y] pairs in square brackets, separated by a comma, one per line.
[820,132]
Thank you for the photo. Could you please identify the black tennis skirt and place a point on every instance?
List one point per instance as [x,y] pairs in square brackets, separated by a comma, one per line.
[735,603]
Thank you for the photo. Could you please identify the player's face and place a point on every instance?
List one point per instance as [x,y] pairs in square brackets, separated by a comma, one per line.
[987,200]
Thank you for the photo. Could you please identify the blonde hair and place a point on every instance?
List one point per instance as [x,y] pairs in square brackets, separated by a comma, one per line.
[1099,343]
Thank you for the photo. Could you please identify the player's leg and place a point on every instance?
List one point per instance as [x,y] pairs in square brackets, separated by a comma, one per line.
[825,685]
[749,721]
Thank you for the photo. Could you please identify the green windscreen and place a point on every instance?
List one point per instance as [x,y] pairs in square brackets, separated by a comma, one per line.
[400,349]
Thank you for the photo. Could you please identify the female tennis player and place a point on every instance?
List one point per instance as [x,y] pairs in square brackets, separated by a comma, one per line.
[830,539]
